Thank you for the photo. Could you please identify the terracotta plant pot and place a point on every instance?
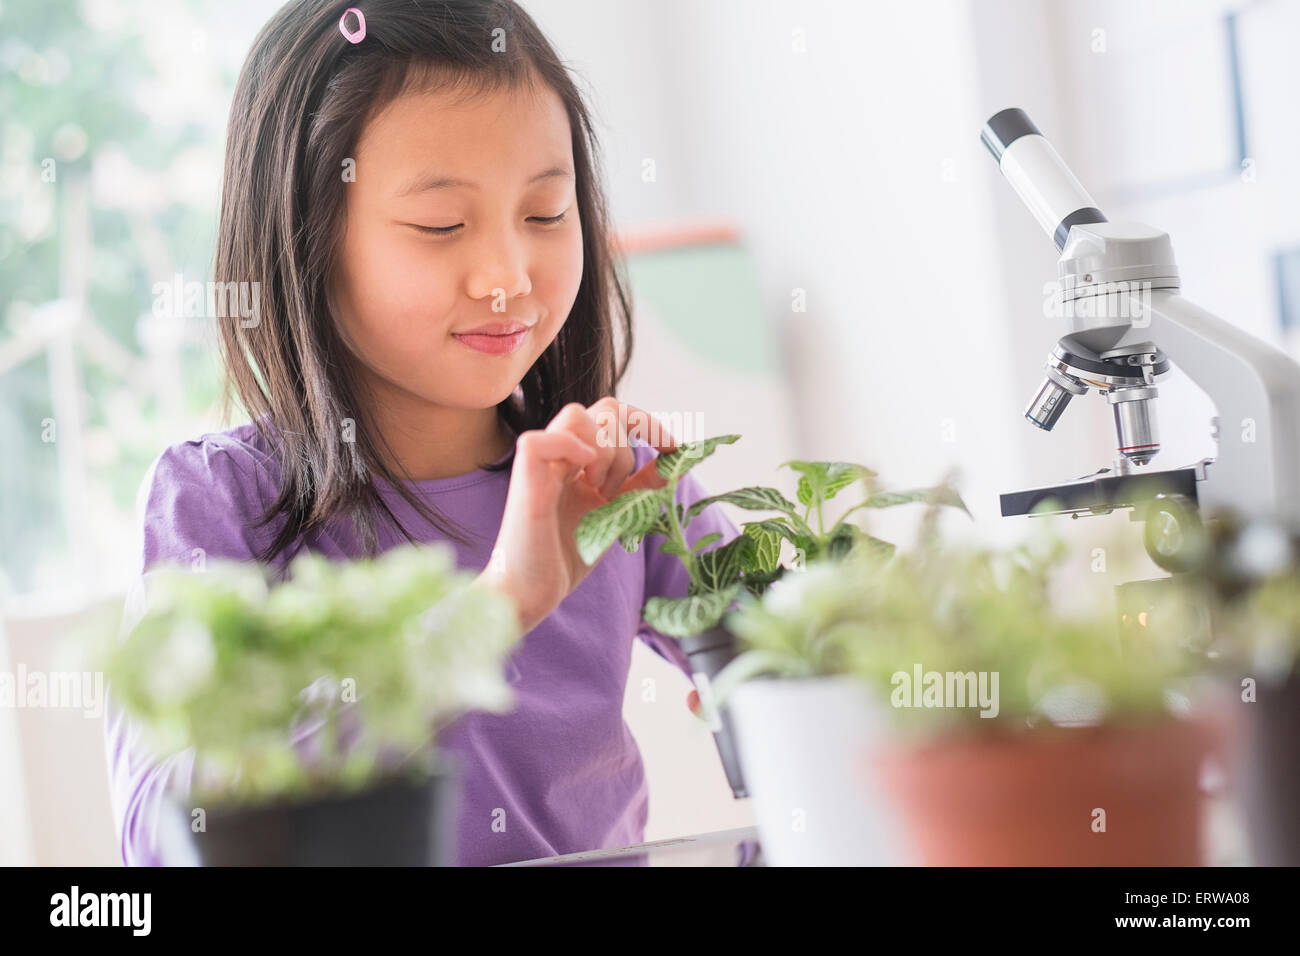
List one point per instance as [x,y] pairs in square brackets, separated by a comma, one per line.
[1030,799]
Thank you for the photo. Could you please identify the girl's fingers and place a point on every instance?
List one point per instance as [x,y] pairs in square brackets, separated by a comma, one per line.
[606,426]
[617,420]
[647,477]
[541,451]
[575,418]
[605,415]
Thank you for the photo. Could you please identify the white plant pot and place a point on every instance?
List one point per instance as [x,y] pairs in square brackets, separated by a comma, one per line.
[803,745]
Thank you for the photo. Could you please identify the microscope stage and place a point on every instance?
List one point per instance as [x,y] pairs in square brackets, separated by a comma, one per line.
[1102,493]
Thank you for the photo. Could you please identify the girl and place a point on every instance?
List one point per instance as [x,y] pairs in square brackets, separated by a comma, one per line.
[415,202]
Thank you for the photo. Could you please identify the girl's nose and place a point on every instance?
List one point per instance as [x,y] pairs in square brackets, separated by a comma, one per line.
[498,267]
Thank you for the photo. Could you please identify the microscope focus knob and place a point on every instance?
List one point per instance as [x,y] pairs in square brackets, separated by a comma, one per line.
[1173,534]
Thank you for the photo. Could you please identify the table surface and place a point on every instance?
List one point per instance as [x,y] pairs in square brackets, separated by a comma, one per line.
[1223,833]
[738,847]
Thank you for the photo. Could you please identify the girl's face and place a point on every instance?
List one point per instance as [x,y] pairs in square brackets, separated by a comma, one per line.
[463,215]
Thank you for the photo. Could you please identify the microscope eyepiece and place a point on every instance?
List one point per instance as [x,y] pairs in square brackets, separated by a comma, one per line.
[1039,176]
[1004,128]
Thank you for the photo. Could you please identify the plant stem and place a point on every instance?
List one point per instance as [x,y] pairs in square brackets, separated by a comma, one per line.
[688,559]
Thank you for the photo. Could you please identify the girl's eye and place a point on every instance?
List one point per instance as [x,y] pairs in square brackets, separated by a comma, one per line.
[551,220]
[448,230]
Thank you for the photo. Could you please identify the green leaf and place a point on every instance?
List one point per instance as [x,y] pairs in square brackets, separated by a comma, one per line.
[822,480]
[937,495]
[842,540]
[803,533]
[757,582]
[673,464]
[883,549]
[767,546]
[947,495]
[752,499]
[846,537]
[811,547]
[631,542]
[720,569]
[705,541]
[683,617]
[629,516]
[672,547]
[781,526]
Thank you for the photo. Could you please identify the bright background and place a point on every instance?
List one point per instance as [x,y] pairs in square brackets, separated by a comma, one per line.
[838,142]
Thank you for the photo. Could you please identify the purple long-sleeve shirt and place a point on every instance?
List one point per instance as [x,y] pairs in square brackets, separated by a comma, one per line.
[563,765]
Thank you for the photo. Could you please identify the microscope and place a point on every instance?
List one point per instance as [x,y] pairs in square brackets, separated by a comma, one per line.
[1126,323]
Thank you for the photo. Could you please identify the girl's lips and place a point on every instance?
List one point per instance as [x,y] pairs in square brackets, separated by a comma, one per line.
[493,344]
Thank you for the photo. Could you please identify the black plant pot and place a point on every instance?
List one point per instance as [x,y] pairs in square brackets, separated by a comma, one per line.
[1271,773]
[404,821]
[709,652]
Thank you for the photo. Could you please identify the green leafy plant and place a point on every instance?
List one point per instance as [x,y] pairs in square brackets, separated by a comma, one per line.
[1267,624]
[959,612]
[1248,577]
[751,562]
[340,675]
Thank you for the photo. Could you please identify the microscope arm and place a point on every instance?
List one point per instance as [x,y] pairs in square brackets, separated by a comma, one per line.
[1256,393]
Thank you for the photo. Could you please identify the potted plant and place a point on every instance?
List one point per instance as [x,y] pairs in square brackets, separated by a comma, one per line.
[313,705]
[985,726]
[744,566]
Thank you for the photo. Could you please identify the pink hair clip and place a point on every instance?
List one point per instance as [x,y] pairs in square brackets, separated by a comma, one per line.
[360,33]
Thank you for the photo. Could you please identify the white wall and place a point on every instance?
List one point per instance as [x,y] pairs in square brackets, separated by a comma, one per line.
[855,173]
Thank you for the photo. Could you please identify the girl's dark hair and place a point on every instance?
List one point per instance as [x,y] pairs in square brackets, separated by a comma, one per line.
[302,100]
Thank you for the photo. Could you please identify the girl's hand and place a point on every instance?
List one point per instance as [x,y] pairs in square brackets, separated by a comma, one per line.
[580,461]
